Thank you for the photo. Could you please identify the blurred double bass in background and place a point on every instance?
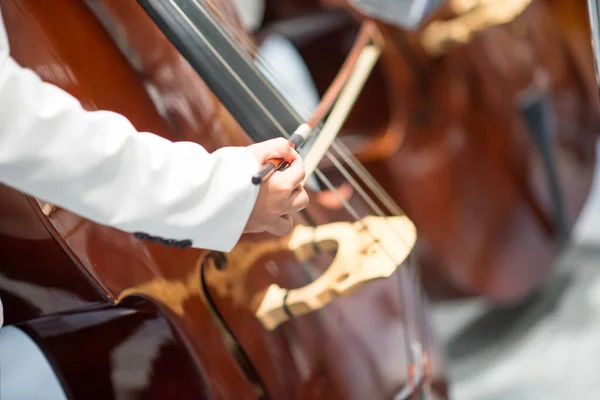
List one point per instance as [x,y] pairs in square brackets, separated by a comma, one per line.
[481,123]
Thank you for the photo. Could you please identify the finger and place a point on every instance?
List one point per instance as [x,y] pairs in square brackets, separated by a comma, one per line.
[297,201]
[279,148]
[291,177]
[281,226]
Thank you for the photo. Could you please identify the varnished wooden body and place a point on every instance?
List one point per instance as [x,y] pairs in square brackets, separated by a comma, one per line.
[103,52]
[118,353]
[445,135]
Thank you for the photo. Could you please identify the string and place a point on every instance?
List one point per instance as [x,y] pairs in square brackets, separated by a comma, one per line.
[345,153]
[249,47]
[338,146]
[348,156]
[357,167]
[282,131]
[319,173]
[390,204]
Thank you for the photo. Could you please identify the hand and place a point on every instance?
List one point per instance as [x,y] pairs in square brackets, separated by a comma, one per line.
[280,195]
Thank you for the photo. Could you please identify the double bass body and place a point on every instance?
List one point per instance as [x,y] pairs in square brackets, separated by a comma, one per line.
[120,318]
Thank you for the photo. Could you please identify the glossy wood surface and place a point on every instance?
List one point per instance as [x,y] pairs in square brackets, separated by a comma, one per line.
[37,277]
[446,137]
[118,353]
[108,53]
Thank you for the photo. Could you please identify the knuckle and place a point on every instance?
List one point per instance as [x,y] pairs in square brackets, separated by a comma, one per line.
[256,226]
[275,211]
[272,229]
[278,230]
[290,225]
[287,228]
[301,169]
[286,186]
[261,228]
[280,142]
[280,209]
[305,199]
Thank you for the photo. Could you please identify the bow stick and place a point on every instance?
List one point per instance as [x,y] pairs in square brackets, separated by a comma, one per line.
[251,99]
[339,99]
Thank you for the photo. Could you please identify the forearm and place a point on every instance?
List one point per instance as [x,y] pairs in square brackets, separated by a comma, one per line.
[97,165]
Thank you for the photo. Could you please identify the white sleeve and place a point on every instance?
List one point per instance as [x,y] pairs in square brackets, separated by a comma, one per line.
[96,165]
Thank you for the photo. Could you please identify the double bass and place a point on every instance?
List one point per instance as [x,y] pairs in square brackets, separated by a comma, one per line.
[332,311]
[480,122]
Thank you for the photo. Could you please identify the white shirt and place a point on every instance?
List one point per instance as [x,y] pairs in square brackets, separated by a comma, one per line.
[96,165]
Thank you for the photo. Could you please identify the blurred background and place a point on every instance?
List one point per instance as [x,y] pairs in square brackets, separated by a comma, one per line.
[545,349]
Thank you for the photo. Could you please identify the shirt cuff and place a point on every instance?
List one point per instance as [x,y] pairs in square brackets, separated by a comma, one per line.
[236,176]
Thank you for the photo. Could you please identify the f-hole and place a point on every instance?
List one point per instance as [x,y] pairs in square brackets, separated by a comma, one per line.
[228,337]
